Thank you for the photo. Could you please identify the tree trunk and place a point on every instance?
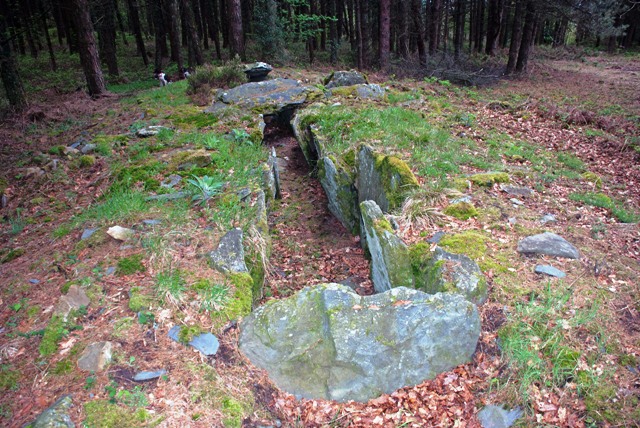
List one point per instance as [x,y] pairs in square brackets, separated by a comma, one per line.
[334,39]
[234,17]
[403,28]
[87,47]
[434,25]
[25,17]
[45,30]
[214,26]
[160,37]
[418,22]
[494,22]
[116,10]
[458,38]
[479,33]
[527,37]
[9,70]
[193,41]
[107,36]
[174,33]
[516,35]
[134,20]
[383,44]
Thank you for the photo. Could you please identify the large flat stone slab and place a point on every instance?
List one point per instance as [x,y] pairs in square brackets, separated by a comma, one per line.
[328,342]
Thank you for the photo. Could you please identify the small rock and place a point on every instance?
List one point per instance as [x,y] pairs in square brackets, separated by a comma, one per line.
[206,343]
[88,148]
[151,222]
[34,281]
[549,270]
[149,375]
[244,193]
[229,256]
[548,243]
[465,198]
[4,201]
[171,181]
[86,234]
[34,171]
[56,416]
[512,220]
[344,78]
[436,238]
[74,299]
[71,150]
[516,191]
[95,357]
[516,202]
[547,218]
[150,131]
[167,196]
[496,417]
[120,233]
[110,270]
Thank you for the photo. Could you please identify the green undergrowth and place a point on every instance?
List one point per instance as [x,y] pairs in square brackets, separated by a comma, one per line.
[475,245]
[104,414]
[543,345]
[618,209]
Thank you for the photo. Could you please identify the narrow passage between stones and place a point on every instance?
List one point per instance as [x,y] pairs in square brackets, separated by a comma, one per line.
[310,246]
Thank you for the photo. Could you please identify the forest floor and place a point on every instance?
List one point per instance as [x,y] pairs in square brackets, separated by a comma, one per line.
[569,130]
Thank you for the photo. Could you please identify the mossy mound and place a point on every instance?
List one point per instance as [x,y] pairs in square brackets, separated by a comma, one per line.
[104,414]
[461,210]
[470,243]
[488,179]
[138,301]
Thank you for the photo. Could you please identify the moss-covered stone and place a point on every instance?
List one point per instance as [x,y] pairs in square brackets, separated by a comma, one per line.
[338,182]
[461,210]
[470,243]
[187,333]
[12,254]
[85,161]
[427,274]
[130,265]
[190,158]
[241,302]
[138,301]
[489,178]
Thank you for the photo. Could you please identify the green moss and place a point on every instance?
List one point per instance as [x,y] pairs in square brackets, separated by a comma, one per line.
[86,161]
[242,300]
[63,367]
[628,360]
[349,158]
[122,326]
[139,301]
[233,413]
[145,174]
[8,378]
[187,333]
[470,243]
[592,178]
[461,210]
[489,178]
[601,403]
[13,254]
[344,91]
[104,414]
[95,240]
[57,150]
[130,265]
[182,159]
[53,333]
[382,224]
[397,179]
[427,273]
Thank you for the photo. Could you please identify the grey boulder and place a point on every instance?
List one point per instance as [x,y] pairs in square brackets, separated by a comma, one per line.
[95,357]
[548,243]
[56,416]
[326,342]
[492,416]
[462,273]
[344,78]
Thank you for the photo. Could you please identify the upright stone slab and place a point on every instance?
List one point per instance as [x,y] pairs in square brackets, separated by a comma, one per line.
[390,262]
[383,179]
[339,185]
[229,256]
[327,342]
[457,273]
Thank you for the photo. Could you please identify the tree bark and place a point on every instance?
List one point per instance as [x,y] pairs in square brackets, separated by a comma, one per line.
[87,47]
[385,23]
[527,37]
[134,19]
[234,15]
[45,30]
[403,29]
[174,33]
[107,36]
[193,41]
[434,25]
[516,35]
[418,22]
[494,22]
[9,70]
[458,39]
